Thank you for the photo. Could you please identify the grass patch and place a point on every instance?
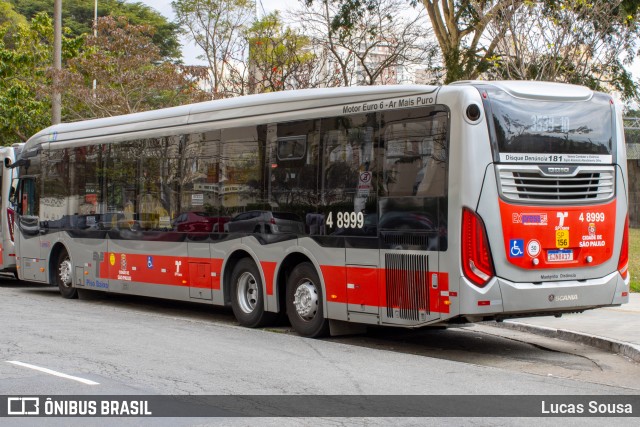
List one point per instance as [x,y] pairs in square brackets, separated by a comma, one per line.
[634,258]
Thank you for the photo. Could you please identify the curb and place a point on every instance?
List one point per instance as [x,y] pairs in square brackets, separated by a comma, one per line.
[619,347]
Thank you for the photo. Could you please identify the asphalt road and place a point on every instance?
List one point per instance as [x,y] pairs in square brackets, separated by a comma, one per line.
[130,345]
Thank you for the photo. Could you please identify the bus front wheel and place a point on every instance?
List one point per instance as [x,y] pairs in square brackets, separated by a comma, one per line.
[64,275]
[247,297]
[305,302]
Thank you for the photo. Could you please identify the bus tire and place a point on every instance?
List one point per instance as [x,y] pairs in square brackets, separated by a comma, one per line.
[305,302]
[64,276]
[247,296]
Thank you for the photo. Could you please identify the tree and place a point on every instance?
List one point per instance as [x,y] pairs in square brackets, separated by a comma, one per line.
[129,72]
[459,28]
[469,32]
[576,42]
[8,15]
[218,28]
[25,80]
[367,46]
[280,58]
[465,45]
[78,17]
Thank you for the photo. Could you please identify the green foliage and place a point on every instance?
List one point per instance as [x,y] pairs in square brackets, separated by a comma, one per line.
[606,30]
[129,72]
[128,66]
[25,82]
[470,34]
[217,28]
[77,15]
[8,15]
[280,55]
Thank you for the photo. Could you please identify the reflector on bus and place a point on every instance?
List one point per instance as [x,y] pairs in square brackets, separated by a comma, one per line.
[623,263]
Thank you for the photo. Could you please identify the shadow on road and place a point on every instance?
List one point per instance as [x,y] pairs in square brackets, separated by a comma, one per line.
[479,345]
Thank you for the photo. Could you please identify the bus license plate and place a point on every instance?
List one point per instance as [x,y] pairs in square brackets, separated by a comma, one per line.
[559,256]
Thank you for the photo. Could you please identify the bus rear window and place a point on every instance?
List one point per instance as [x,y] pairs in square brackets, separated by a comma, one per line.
[551,127]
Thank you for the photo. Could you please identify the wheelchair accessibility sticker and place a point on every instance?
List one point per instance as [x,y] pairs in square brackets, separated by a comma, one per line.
[516,248]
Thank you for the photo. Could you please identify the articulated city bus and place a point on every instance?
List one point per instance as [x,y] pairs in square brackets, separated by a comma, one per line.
[7,216]
[393,205]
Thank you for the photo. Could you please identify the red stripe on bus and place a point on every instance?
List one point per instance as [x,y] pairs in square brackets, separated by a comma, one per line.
[552,237]
[161,270]
[335,279]
[269,269]
[343,284]
[438,303]
[362,286]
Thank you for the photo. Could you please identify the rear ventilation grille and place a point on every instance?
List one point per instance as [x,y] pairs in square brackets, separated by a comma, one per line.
[528,183]
[407,286]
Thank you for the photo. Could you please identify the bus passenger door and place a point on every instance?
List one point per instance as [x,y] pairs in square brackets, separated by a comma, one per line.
[7,250]
[349,201]
[28,242]
[200,217]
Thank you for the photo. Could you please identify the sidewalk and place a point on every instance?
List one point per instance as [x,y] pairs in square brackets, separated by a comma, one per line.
[615,329]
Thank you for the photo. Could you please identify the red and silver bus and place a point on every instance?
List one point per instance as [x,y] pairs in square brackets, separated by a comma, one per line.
[393,205]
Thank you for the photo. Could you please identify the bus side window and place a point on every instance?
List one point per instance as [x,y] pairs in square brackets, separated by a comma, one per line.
[348,173]
[28,205]
[293,171]
[416,155]
[431,180]
[157,200]
[242,169]
[414,192]
[13,201]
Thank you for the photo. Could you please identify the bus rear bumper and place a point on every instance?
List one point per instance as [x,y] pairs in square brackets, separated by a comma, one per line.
[511,299]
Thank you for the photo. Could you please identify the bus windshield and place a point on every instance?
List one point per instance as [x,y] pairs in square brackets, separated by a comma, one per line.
[520,126]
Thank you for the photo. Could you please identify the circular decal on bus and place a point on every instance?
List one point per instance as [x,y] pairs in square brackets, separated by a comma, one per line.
[533,248]
[112,259]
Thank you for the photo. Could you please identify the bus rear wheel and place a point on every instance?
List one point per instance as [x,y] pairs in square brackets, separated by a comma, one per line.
[247,296]
[305,302]
[64,276]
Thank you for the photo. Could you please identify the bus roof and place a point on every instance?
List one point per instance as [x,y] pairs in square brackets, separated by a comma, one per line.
[277,103]
[223,109]
[529,89]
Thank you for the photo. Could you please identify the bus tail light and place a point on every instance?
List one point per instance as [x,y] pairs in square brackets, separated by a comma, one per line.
[10,217]
[623,263]
[476,256]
